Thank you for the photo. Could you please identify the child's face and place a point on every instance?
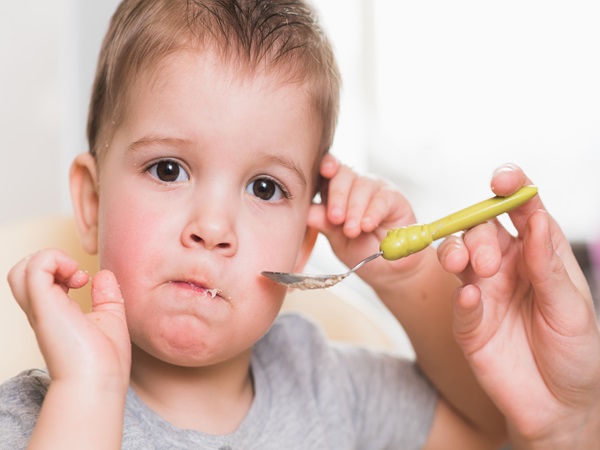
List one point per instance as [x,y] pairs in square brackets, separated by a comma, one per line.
[207,183]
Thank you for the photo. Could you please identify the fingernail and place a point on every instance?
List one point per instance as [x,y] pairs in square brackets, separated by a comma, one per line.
[367,222]
[328,163]
[352,224]
[482,257]
[508,167]
[337,212]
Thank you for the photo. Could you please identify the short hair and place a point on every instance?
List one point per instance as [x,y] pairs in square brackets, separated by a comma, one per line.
[283,36]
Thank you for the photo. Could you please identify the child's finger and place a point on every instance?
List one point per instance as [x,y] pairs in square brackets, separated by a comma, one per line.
[317,218]
[106,294]
[328,169]
[337,195]
[387,206]
[360,197]
[49,268]
[77,280]
[16,281]
[45,272]
[39,284]
[329,166]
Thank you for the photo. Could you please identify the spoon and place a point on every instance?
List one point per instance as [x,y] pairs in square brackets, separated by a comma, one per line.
[404,241]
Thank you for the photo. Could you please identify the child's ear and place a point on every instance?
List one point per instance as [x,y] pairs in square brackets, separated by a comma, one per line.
[83,179]
[310,237]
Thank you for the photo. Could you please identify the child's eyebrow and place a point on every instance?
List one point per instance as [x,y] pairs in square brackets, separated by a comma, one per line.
[266,158]
[287,163]
[148,141]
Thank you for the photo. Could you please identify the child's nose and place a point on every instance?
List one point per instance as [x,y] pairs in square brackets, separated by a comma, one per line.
[212,228]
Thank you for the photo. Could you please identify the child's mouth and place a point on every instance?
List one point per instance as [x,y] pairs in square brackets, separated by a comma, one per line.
[213,292]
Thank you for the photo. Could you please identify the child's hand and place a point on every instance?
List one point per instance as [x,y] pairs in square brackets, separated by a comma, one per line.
[526,322]
[357,215]
[77,347]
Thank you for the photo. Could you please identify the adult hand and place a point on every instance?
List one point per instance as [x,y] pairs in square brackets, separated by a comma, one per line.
[526,323]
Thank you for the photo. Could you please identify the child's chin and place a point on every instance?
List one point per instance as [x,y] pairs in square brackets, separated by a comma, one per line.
[194,347]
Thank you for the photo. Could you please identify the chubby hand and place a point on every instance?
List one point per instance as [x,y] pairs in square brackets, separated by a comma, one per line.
[525,319]
[357,215]
[76,346]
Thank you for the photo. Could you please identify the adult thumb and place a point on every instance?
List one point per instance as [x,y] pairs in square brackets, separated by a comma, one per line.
[556,294]
[467,318]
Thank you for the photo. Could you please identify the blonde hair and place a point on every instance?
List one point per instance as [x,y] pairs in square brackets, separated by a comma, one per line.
[283,36]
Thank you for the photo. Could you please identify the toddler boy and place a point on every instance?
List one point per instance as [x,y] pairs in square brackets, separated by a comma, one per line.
[209,128]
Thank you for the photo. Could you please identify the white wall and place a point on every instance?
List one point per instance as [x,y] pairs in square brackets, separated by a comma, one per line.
[29,98]
[466,85]
[48,52]
[436,94]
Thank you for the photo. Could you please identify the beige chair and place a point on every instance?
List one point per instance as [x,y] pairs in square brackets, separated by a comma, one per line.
[351,321]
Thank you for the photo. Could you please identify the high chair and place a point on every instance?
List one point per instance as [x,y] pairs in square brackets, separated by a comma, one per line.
[342,319]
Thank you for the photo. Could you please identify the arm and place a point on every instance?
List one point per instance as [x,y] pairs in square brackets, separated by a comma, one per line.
[526,322]
[88,356]
[417,290]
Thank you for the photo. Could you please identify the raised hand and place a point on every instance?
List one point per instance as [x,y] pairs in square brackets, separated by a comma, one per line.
[526,322]
[356,216]
[75,346]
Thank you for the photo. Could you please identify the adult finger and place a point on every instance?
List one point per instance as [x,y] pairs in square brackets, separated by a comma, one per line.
[467,316]
[506,180]
[453,254]
[562,302]
[485,254]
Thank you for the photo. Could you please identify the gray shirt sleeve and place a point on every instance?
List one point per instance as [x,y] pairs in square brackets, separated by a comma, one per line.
[21,398]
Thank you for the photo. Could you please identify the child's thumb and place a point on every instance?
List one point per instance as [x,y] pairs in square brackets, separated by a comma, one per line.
[106,293]
[317,219]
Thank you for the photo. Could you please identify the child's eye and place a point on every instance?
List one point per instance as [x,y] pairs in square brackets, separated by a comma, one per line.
[168,171]
[267,189]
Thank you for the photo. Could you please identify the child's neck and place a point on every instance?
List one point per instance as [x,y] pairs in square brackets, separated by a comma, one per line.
[213,399]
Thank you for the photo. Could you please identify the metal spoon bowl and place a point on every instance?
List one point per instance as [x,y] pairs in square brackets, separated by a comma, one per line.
[305,281]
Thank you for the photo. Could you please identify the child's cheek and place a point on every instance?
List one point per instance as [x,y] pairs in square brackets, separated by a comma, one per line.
[124,238]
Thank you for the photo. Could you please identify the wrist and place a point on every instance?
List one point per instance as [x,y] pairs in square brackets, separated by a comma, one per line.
[407,281]
[110,384]
[579,430]
[81,414]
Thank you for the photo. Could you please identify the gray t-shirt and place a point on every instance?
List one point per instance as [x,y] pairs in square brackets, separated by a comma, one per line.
[310,394]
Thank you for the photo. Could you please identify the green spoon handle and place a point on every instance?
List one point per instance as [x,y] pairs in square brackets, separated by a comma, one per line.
[404,241]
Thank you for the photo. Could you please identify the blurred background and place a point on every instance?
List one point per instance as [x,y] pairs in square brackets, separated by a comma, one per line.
[436,95]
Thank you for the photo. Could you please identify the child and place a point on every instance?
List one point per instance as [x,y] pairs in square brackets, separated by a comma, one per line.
[209,124]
